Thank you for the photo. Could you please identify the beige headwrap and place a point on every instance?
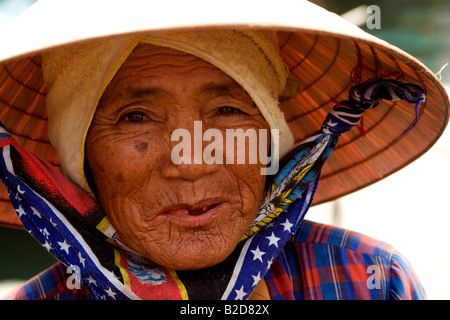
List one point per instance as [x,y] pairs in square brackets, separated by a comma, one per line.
[78,75]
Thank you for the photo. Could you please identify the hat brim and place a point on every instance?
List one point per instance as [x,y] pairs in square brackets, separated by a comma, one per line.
[325,54]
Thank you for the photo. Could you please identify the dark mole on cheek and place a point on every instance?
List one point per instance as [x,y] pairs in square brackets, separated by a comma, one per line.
[141,147]
[119,178]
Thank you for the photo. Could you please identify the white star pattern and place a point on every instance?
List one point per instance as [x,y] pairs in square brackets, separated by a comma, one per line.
[19,190]
[265,249]
[257,254]
[40,224]
[64,246]
[256,278]
[269,263]
[45,232]
[54,224]
[111,293]
[82,260]
[240,294]
[262,252]
[91,280]
[35,212]
[47,246]
[331,123]
[287,225]
[20,211]
[273,240]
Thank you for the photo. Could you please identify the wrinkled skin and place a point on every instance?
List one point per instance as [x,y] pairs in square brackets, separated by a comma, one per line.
[186,216]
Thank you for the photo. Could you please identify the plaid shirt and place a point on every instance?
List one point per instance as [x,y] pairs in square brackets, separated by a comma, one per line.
[319,262]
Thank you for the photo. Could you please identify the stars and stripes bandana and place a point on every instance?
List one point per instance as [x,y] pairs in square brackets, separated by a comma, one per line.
[75,230]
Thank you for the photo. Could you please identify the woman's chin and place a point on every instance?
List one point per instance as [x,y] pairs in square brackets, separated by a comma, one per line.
[193,261]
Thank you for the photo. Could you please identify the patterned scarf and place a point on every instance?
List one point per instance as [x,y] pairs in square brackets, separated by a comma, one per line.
[75,230]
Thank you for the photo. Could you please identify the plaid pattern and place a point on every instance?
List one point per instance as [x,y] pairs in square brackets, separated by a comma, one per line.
[50,284]
[327,263]
[319,262]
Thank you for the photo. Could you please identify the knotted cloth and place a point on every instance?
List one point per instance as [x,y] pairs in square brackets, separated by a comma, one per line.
[75,230]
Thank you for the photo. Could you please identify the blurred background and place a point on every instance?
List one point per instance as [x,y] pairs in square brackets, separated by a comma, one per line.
[410,209]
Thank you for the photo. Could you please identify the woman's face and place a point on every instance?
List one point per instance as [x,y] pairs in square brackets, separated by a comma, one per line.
[181,216]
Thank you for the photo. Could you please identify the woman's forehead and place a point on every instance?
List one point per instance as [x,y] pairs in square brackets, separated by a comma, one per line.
[148,56]
[151,67]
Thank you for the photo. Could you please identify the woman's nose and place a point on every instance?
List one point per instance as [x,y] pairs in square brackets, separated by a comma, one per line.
[190,172]
[189,159]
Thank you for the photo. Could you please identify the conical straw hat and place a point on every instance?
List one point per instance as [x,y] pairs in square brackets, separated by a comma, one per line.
[325,54]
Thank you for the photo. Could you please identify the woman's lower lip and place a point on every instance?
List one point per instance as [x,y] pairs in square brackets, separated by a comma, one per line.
[184,218]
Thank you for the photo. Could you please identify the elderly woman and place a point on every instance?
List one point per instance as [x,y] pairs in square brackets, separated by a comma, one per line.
[153,202]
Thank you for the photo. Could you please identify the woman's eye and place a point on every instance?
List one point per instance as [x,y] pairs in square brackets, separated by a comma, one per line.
[134,117]
[228,110]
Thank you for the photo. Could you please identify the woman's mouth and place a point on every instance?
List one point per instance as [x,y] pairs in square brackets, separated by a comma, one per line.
[197,214]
